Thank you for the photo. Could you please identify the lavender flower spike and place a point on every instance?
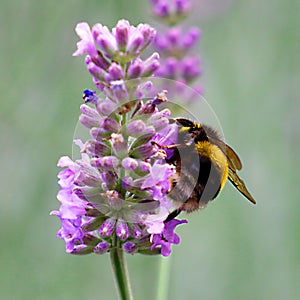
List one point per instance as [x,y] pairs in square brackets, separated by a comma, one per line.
[116,194]
[174,46]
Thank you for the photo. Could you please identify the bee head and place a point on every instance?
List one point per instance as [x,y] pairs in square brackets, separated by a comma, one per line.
[185,122]
[190,130]
[188,125]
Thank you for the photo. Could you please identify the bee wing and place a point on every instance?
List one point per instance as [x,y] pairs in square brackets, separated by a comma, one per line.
[233,158]
[234,161]
[239,184]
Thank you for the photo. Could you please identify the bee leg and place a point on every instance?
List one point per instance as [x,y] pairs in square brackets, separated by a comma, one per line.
[175,146]
[172,215]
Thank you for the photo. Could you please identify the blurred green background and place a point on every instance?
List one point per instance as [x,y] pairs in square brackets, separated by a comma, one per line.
[231,250]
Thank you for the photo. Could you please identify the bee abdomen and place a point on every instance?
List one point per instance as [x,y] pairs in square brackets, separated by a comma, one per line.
[195,187]
[183,186]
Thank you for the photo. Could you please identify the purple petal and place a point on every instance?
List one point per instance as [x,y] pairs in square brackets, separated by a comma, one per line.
[135,43]
[115,72]
[191,37]
[94,70]
[122,34]
[105,39]
[87,42]
[174,35]
[155,222]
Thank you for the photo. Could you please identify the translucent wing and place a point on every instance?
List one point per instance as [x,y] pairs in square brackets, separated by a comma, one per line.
[239,184]
[234,164]
[234,161]
[233,158]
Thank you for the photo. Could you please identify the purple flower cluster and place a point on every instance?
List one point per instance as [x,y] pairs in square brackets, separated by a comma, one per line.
[108,52]
[115,194]
[174,46]
[170,11]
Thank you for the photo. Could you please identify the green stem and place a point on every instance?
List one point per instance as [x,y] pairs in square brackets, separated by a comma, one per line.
[120,271]
[163,278]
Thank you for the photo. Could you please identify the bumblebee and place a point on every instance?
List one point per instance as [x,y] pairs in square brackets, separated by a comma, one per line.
[203,164]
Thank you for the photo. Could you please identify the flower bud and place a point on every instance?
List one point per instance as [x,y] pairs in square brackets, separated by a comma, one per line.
[182,6]
[191,37]
[135,43]
[145,167]
[190,67]
[99,133]
[130,247]
[122,34]
[105,162]
[101,61]
[107,227]
[101,248]
[143,151]
[135,128]
[159,122]
[94,69]
[110,125]
[90,112]
[119,145]
[87,176]
[174,35]
[105,39]
[127,183]
[81,250]
[135,69]
[171,65]
[161,42]
[115,72]
[97,148]
[122,230]
[136,231]
[151,65]
[88,121]
[87,193]
[109,178]
[162,9]
[106,107]
[90,239]
[148,33]
[129,163]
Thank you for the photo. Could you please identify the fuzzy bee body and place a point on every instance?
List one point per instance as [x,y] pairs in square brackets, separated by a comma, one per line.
[203,165]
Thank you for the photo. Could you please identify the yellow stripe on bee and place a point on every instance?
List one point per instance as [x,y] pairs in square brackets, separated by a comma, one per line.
[215,154]
[183,129]
[187,128]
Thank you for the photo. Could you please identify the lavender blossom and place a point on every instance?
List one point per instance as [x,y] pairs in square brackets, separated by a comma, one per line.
[116,193]
[175,46]
[170,11]
[167,237]
[107,51]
